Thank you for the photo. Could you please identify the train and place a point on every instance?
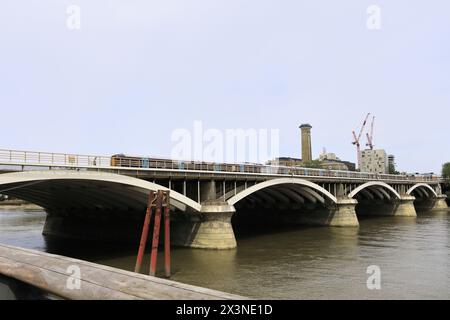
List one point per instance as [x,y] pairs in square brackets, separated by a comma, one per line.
[121,160]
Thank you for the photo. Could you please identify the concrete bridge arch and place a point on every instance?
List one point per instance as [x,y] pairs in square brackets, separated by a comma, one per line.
[96,188]
[94,205]
[302,189]
[422,188]
[427,198]
[291,201]
[374,189]
[377,198]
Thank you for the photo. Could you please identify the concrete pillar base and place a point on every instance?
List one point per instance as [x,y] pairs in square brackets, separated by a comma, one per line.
[433,204]
[405,207]
[211,229]
[343,214]
[440,203]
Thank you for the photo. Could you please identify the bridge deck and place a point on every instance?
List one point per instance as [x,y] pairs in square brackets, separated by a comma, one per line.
[149,168]
[51,273]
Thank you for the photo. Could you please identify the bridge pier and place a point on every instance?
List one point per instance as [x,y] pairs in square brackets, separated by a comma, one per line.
[211,229]
[440,203]
[343,214]
[340,214]
[405,207]
[432,204]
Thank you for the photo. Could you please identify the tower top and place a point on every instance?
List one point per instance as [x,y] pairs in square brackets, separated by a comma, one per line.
[305,125]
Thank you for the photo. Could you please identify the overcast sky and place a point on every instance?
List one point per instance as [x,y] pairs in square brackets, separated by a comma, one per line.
[138,70]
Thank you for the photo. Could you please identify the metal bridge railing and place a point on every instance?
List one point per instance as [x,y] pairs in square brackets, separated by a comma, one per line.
[31,158]
[54,159]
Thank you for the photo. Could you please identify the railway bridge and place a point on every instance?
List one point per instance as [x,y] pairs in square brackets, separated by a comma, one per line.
[96,197]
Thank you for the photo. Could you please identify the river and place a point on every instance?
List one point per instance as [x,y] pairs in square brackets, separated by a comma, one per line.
[413,255]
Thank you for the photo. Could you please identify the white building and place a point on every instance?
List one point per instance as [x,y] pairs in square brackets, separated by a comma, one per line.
[374,161]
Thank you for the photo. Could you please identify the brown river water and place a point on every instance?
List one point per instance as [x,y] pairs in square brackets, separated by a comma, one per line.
[413,256]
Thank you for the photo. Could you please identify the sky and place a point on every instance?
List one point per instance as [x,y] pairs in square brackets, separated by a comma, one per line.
[136,71]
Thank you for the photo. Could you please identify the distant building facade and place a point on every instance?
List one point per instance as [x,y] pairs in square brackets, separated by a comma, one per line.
[328,156]
[285,162]
[374,161]
[332,162]
[333,165]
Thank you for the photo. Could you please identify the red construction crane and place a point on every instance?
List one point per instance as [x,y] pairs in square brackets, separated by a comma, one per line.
[370,137]
[357,140]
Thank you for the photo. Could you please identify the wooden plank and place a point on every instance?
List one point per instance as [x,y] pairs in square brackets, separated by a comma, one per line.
[51,273]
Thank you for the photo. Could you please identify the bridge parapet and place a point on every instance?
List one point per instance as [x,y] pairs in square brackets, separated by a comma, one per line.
[14,160]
